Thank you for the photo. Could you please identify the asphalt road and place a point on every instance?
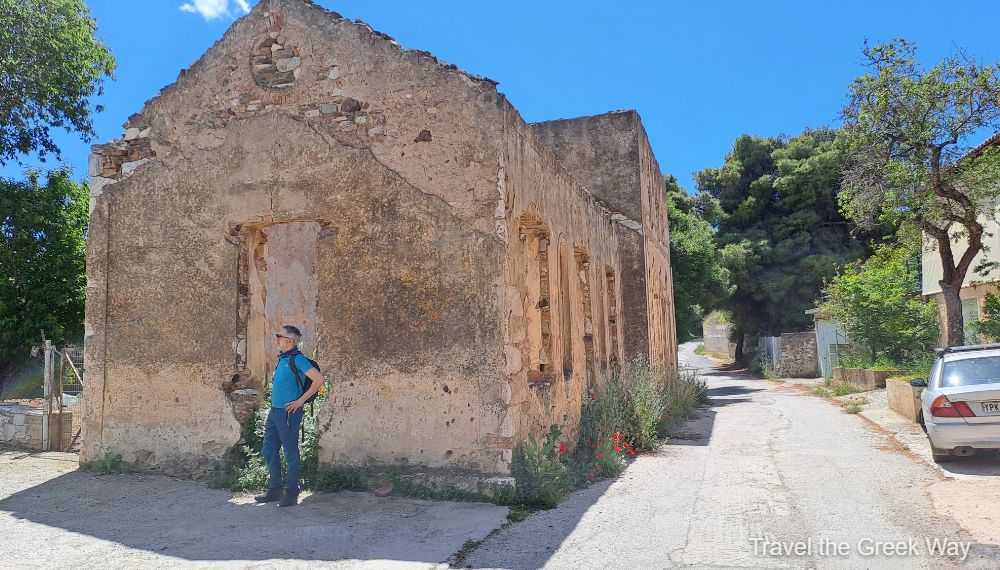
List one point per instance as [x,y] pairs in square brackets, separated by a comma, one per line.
[760,461]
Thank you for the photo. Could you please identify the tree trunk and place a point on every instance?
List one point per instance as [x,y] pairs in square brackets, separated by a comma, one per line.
[738,351]
[954,323]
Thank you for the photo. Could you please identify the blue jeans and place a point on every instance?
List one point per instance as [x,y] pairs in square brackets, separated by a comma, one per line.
[282,430]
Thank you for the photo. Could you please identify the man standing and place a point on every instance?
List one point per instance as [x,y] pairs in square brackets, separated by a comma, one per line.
[283,420]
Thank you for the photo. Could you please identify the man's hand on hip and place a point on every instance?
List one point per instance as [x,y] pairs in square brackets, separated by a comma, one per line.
[291,407]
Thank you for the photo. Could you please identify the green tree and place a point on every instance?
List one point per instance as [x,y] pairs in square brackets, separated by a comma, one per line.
[50,65]
[908,131]
[780,231]
[989,322]
[42,272]
[700,281]
[879,303]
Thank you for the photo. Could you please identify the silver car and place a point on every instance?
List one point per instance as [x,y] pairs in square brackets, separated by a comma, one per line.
[961,402]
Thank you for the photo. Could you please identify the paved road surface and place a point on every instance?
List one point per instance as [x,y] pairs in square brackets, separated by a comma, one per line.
[762,460]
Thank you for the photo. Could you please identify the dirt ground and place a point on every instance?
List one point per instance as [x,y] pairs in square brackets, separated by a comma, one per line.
[53,515]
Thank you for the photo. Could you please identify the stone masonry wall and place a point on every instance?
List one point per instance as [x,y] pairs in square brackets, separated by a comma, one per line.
[21,426]
[799,358]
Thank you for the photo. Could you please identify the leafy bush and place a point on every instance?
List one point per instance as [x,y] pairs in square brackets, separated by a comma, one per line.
[631,402]
[766,368]
[880,304]
[681,396]
[989,322]
[43,229]
[541,470]
[700,350]
[243,466]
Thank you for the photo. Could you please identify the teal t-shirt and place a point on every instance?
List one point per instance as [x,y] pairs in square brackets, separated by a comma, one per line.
[285,388]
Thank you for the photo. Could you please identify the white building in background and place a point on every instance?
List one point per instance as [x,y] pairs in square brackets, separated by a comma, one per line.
[976,285]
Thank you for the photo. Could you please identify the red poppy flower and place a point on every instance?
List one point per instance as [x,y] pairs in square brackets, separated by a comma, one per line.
[600,441]
[562,447]
[600,456]
[625,444]
[617,437]
[590,475]
[600,470]
[617,448]
[631,452]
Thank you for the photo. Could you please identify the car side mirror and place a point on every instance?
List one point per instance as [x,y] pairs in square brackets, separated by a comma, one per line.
[918,383]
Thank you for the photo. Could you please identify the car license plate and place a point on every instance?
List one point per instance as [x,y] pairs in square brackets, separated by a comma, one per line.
[991,407]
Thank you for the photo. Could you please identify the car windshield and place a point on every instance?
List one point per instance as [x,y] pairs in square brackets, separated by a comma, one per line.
[971,371]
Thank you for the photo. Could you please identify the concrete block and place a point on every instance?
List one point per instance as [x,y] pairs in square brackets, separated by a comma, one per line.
[903,398]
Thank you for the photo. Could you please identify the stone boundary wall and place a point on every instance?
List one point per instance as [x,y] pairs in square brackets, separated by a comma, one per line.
[798,355]
[21,426]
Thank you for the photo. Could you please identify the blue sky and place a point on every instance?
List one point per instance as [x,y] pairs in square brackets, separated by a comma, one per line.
[700,73]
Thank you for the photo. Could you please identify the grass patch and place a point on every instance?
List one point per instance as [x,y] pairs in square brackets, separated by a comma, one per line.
[842,390]
[110,464]
[700,350]
[518,513]
[822,392]
[852,409]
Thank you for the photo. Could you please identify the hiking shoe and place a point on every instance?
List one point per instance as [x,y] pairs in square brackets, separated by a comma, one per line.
[270,495]
[289,500]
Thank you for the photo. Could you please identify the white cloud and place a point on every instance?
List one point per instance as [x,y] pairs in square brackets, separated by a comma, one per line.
[212,9]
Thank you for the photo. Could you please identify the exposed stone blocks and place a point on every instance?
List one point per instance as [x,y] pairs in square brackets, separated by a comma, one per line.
[21,426]
[799,358]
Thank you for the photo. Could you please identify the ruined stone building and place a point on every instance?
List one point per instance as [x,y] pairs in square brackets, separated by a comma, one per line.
[460,275]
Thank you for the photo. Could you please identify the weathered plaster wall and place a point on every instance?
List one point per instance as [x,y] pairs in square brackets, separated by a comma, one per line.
[602,153]
[393,154]
[434,299]
[656,247]
[545,204]
[611,156]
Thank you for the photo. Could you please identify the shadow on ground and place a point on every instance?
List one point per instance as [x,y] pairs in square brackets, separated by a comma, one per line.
[186,520]
[984,463]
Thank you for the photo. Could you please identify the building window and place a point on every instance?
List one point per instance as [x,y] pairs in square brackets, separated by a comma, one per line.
[565,312]
[612,314]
